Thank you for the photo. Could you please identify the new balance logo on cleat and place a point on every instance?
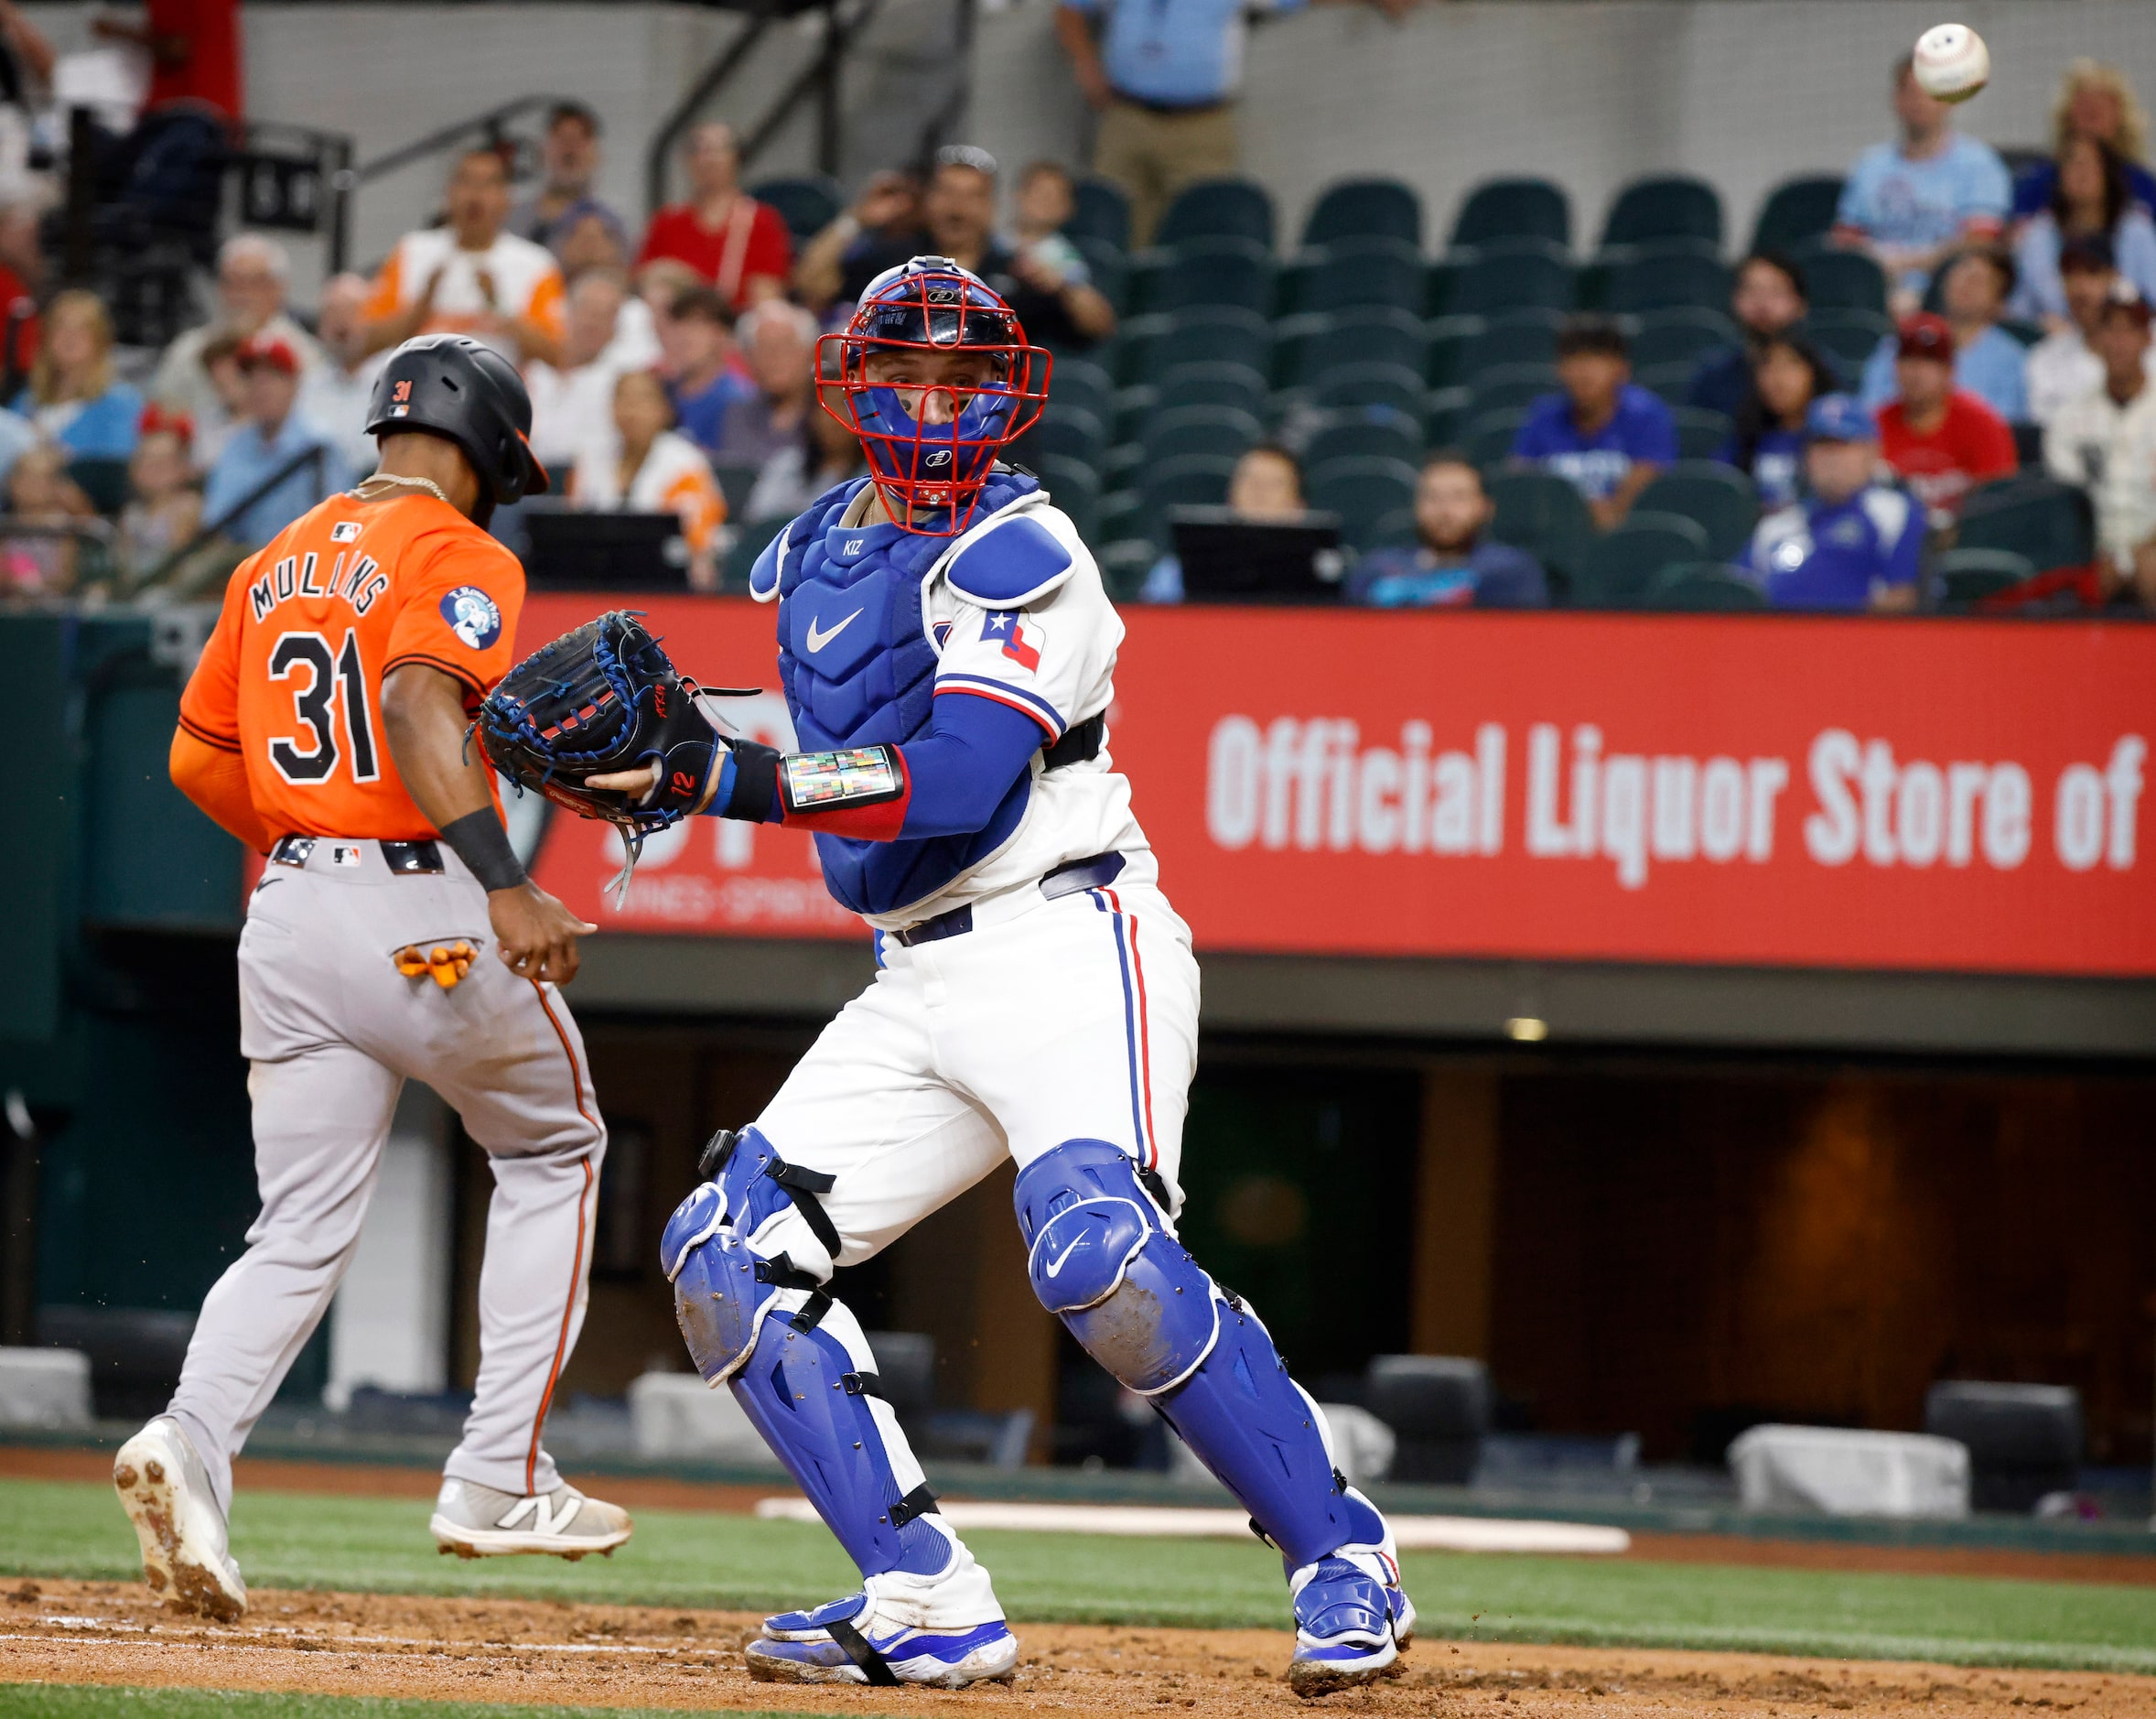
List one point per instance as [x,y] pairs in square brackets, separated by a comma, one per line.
[476,1521]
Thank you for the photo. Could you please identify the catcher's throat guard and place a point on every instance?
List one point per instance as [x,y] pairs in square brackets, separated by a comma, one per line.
[930,475]
[602,700]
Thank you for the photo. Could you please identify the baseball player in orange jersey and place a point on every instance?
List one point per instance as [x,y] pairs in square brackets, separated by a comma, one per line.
[325,726]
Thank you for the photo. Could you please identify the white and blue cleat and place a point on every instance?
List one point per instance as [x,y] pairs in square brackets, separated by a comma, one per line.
[848,1642]
[1351,1619]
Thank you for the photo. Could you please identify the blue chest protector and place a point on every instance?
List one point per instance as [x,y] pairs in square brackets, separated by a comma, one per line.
[859,669]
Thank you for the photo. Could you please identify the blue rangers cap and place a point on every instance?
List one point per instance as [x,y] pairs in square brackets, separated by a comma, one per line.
[1837,417]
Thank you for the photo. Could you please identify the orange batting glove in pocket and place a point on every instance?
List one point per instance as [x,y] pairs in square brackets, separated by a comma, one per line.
[446,964]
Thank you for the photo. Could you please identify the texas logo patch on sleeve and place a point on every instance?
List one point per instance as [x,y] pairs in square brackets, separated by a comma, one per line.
[1021,639]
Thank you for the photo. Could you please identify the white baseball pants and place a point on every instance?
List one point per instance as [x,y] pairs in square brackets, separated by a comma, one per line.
[333,1030]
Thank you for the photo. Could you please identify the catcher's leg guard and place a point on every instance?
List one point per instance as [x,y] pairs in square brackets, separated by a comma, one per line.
[1100,1257]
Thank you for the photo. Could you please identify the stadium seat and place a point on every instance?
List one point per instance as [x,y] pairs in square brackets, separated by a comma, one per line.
[1512,385]
[1110,269]
[1081,382]
[1718,499]
[1123,564]
[1187,481]
[1515,337]
[1436,292]
[1702,586]
[103,482]
[1665,207]
[1375,432]
[1700,433]
[2042,518]
[1841,280]
[1449,338]
[1184,430]
[1072,486]
[1671,380]
[1351,273]
[1365,209]
[1668,273]
[1393,385]
[1445,415]
[1965,576]
[1623,562]
[1219,209]
[1209,334]
[748,543]
[1511,275]
[1796,210]
[1542,513]
[1101,212]
[1848,336]
[1070,431]
[1214,384]
[2027,445]
[1681,332]
[1231,272]
[1489,436]
[1120,514]
[1515,208]
[806,203]
[2024,1441]
[737,481]
[1362,491]
[1373,334]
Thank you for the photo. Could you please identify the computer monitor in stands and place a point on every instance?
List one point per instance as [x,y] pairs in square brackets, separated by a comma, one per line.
[1227,558]
[623,552]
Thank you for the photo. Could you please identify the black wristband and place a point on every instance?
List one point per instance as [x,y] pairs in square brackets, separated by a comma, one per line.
[756,782]
[479,839]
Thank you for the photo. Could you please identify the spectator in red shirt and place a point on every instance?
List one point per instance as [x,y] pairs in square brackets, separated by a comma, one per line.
[1942,440]
[194,47]
[737,244]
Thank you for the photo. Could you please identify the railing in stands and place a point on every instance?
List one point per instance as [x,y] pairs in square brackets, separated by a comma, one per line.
[305,460]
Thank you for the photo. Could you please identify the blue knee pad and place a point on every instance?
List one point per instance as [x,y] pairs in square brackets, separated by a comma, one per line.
[1099,1256]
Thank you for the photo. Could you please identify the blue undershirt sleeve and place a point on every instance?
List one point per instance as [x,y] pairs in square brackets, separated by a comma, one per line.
[959,772]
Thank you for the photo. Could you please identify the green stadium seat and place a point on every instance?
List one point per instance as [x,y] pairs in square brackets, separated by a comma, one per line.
[1209,334]
[1216,384]
[1512,337]
[103,482]
[1068,431]
[2022,330]
[1362,491]
[1623,563]
[1542,513]
[1371,433]
[1187,481]
[1841,280]
[1449,338]
[750,539]
[1965,576]
[1082,383]
[1120,514]
[2047,521]
[1184,430]
[1718,499]
[1397,529]
[1511,275]
[1445,415]
[1796,210]
[1219,209]
[1365,209]
[1374,384]
[1680,332]
[1700,433]
[1704,586]
[1134,408]
[1124,565]
[1664,274]
[1665,207]
[1437,295]
[1230,272]
[735,482]
[1515,208]
[1487,437]
[806,203]
[1110,269]
[1670,382]
[1374,334]
[1506,385]
[1847,337]
[1100,210]
[1351,273]
[1072,486]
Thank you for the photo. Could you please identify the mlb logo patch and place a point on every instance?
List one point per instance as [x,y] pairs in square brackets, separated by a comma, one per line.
[345,530]
[344,855]
[1021,638]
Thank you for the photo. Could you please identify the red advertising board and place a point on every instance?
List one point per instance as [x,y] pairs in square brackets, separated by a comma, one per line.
[1941,795]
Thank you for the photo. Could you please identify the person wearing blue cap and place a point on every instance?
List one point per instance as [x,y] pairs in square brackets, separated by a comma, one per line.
[1853,542]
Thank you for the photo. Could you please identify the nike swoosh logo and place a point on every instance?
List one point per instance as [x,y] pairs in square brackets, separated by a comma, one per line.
[1056,1264]
[818,641]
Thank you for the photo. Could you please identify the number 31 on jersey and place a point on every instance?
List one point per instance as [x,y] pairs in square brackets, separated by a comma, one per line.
[321,682]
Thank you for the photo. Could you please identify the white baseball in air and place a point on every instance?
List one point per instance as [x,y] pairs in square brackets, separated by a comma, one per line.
[1952,62]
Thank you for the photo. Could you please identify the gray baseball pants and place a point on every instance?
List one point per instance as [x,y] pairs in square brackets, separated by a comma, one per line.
[333,1031]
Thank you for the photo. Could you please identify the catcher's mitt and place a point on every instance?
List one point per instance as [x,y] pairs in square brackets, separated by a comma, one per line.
[601,699]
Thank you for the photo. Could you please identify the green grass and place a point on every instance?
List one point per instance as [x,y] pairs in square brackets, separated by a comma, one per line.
[84,1700]
[680,1558]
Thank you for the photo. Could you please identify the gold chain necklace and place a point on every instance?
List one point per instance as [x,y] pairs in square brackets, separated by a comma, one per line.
[428,485]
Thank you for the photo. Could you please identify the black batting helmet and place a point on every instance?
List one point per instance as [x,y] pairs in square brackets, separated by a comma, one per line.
[454,386]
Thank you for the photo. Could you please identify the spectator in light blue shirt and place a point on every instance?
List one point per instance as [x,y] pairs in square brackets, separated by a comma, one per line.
[1912,203]
[73,398]
[1604,434]
[273,436]
[1988,362]
[1164,75]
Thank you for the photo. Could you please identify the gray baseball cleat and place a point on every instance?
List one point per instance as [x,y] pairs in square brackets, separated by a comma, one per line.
[476,1521]
[166,1492]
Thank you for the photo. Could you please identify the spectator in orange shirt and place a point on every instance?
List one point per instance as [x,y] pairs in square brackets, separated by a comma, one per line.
[648,467]
[1942,439]
[471,276]
[733,241]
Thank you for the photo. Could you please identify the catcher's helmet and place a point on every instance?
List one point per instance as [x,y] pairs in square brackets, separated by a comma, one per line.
[931,474]
[454,386]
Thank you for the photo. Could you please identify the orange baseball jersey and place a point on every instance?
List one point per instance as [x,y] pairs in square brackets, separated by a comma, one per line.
[291,679]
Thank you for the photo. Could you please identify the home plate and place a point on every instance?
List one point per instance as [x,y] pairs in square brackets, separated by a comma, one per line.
[1411,1533]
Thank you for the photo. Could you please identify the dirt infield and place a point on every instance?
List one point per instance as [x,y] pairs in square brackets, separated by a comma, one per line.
[522,1651]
